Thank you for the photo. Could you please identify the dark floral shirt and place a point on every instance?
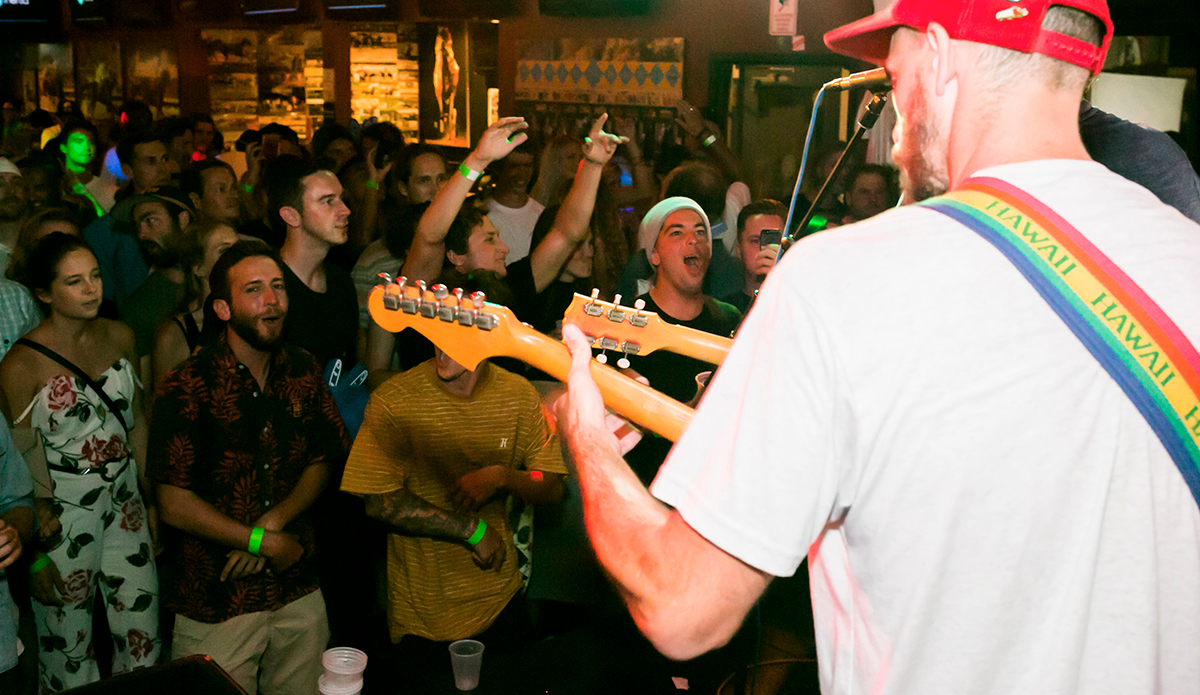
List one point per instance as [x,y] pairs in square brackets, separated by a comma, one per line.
[242,450]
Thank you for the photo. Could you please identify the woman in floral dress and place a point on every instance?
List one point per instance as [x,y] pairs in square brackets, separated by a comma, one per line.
[95,530]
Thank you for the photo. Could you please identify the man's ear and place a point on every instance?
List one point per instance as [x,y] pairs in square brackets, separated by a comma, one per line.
[456,260]
[195,200]
[184,219]
[127,170]
[290,215]
[946,56]
[221,307]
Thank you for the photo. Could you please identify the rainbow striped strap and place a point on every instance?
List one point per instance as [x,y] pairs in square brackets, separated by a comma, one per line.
[1135,342]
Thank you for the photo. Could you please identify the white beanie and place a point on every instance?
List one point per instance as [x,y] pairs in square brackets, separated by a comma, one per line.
[652,223]
[7,167]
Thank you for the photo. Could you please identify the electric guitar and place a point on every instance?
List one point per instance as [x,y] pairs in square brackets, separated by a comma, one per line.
[636,332]
[469,330]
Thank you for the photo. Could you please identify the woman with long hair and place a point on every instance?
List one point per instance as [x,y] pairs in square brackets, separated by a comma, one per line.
[179,336]
[556,168]
[74,377]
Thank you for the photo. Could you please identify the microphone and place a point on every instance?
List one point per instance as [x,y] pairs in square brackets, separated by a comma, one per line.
[874,80]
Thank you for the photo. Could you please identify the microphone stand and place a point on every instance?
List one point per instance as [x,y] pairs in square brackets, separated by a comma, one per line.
[869,117]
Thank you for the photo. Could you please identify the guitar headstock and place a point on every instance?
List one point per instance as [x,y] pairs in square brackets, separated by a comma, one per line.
[465,327]
[622,329]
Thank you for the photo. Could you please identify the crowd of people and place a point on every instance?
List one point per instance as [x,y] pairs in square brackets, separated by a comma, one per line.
[169,328]
[182,472]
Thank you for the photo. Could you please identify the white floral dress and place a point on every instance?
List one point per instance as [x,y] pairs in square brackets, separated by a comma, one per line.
[105,542]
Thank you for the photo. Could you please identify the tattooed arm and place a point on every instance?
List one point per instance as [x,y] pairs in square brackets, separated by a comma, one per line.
[410,515]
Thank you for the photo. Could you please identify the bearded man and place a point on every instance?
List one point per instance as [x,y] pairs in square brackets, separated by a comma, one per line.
[985,505]
[244,436]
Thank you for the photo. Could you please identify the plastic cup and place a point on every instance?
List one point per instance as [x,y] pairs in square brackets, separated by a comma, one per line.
[466,656]
[344,667]
[327,687]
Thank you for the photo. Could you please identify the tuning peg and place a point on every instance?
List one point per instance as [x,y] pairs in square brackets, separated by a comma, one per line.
[386,277]
[636,318]
[592,308]
[602,358]
[458,293]
[440,292]
[617,300]
[421,287]
[403,282]
[478,298]
[623,363]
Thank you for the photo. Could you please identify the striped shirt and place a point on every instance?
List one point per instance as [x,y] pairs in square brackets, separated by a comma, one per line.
[419,437]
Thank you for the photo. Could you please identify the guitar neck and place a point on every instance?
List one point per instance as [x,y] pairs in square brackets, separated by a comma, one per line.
[705,347]
[631,399]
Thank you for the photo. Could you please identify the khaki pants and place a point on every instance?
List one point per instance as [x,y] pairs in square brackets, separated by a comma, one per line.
[269,652]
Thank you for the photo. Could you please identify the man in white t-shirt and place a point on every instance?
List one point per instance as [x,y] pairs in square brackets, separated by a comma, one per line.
[983,508]
[509,205]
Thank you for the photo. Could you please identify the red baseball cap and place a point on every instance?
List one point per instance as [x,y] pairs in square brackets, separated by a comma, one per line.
[1013,24]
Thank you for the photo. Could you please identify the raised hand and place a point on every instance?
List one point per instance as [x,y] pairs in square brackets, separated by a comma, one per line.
[599,146]
[375,174]
[501,138]
[689,118]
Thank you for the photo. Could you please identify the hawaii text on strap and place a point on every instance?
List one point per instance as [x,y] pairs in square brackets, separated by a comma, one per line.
[1120,325]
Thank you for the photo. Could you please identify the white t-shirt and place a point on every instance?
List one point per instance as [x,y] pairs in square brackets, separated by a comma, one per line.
[983,509]
[515,226]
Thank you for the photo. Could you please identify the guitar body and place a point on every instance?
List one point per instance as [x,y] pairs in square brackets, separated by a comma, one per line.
[470,330]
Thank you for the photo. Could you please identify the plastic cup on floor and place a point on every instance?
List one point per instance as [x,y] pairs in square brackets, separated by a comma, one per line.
[329,687]
[344,666]
[466,656]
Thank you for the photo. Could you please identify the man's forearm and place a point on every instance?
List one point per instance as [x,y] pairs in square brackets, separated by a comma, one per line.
[184,510]
[535,487]
[408,514]
[424,259]
[310,486]
[575,214]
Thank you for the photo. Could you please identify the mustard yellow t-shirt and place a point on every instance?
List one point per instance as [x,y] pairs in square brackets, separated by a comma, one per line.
[418,436]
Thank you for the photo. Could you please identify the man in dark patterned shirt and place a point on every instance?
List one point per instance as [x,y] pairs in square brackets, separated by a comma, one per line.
[242,442]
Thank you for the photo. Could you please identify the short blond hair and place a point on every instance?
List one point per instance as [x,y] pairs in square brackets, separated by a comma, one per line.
[1007,67]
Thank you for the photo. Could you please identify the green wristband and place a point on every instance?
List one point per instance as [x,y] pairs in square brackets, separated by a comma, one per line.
[467,172]
[372,184]
[708,141]
[39,564]
[247,188]
[256,536]
[478,535]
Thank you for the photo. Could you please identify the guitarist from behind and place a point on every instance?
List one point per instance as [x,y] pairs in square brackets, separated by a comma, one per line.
[440,451]
[677,238]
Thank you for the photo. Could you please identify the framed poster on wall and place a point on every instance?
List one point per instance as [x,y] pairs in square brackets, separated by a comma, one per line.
[99,84]
[445,87]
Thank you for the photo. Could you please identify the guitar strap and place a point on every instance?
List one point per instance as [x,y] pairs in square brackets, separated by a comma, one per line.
[1131,337]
